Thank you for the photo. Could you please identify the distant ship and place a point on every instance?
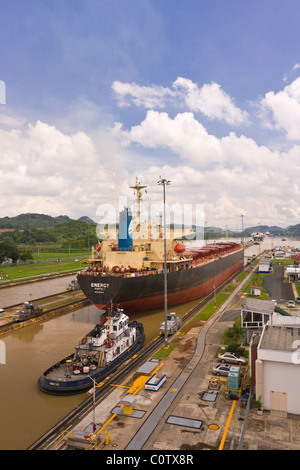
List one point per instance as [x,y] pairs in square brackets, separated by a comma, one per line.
[257,236]
[98,354]
[129,271]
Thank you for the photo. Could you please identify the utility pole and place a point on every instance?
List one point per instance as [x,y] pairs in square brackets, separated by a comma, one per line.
[94,403]
[163,182]
[242,237]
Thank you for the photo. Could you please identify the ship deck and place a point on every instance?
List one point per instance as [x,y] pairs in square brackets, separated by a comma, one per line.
[65,373]
[194,263]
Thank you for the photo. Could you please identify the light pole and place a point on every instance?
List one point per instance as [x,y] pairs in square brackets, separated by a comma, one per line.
[163,182]
[242,238]
[94,402]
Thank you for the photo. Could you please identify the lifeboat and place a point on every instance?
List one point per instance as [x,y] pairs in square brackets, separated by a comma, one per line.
[179,248]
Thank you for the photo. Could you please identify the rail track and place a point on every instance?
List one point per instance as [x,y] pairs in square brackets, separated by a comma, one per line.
[11,325]
[53,438]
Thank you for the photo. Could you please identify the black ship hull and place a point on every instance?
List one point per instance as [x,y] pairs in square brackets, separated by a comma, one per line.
[138,292]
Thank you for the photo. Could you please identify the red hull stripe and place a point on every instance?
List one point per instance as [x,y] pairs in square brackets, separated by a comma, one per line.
[179,297]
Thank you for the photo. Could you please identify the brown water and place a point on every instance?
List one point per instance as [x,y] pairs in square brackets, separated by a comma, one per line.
[26,412]
[32,290]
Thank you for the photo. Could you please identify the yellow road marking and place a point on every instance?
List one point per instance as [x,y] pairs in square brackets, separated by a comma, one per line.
[107,422]
[227,425]
[121,386]
[136,387]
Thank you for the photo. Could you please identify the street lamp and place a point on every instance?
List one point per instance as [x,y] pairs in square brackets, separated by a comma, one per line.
[94,402]
[163,182]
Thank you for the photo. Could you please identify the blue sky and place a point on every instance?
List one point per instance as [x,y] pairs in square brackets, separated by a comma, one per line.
[205,93]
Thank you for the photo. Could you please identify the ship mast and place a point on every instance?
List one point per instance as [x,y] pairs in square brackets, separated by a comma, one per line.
[138,186]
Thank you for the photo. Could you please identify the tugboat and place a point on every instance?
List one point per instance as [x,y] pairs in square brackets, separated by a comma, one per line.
[173,324]
[98,354]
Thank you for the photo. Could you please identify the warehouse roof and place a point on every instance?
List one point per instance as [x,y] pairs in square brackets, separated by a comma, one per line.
[280,338]
[259,306]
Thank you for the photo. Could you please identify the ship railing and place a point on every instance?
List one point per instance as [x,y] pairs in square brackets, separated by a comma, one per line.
[204,260]
[125,274]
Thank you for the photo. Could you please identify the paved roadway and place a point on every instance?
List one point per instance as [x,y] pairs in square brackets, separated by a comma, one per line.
[276,287]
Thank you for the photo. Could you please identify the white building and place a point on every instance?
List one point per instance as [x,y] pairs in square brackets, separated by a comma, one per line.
[255,314]
[265,266]
[255,290]
[279,254]
[277,368]
[292,273]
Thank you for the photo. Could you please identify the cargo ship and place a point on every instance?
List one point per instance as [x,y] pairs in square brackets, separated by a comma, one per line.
[128,269]
[97,355]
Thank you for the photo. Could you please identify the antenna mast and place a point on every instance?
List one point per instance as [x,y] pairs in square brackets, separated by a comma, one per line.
[138,186]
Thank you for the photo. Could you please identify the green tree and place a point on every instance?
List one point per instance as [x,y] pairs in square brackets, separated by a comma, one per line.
[25,255]
[8,250]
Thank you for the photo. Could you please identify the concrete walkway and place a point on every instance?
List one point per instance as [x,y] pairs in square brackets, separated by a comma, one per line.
[151,423]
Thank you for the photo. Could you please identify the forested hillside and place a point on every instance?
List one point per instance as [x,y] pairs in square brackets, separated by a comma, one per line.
[31,220]
[73,233]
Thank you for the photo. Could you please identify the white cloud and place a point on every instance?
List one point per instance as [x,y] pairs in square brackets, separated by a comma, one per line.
[144,96]
[7,119]
[209,99]
[281,110]
[187,137]
[184,135]
[294,68]
[44,170]
[244,151]
[54,169]
[230,175]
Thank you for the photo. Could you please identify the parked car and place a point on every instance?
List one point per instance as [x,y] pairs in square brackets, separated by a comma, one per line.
[233,358]
[291,304]
[298,300]
[221,369]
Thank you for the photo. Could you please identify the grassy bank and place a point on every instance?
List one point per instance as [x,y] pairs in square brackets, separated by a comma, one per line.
[210,308]
[47,262]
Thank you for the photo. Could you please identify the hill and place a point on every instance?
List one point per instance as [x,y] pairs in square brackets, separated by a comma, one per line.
[31,220]
[73,233]
[33,228]
[84,218]
[292,231]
